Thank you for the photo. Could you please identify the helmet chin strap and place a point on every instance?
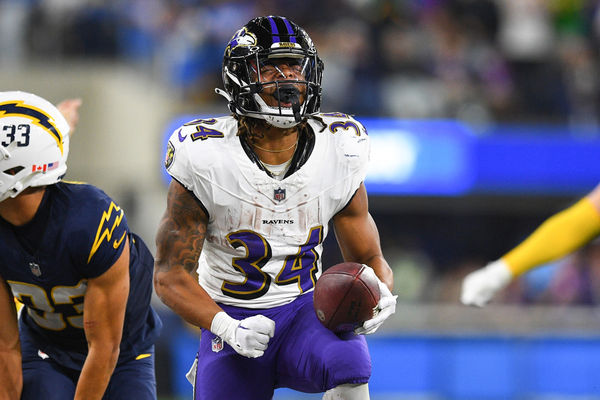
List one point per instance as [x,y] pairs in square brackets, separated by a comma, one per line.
[286,120]
[230,102]
[296,109]
[224,94]
[12,191]
[285,94]
[289,94]
[4,151]
[16,189]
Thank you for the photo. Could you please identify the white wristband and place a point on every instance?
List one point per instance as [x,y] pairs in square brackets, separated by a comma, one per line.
[499,272]
[223,325]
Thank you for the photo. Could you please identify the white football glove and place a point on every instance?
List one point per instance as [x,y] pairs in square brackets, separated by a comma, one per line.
[385,307]
[248,337]
[481,285]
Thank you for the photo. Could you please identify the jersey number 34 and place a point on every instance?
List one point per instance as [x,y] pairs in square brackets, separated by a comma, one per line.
[300,268]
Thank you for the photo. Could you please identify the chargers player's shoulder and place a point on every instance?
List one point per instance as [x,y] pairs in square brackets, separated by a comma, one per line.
[85,203]
[95,224]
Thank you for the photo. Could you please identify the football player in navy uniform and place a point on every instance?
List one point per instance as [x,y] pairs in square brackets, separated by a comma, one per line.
[86,330]
[239,246]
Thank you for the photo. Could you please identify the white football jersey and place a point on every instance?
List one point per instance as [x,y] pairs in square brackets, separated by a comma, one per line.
[265,236]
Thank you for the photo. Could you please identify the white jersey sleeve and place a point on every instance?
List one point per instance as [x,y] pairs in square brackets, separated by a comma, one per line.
[265,236]
[193,151]
[351,141]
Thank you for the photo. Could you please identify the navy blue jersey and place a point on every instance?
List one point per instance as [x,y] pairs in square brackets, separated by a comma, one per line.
[78,233]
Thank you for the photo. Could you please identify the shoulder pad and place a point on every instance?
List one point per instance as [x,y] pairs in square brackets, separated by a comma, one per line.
[94,217]
[200,136]
[197,145]
[347,135]
[337,122]
[205,128]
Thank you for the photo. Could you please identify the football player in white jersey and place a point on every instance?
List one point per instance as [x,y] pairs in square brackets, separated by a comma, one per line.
[239,246]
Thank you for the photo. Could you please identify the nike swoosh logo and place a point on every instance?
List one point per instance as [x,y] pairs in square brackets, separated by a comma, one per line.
[181,138]
[117,243]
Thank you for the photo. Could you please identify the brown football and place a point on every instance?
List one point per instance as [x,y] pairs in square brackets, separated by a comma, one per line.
[345,296]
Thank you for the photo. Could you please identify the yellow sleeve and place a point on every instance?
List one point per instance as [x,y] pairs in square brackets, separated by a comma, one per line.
[558,236]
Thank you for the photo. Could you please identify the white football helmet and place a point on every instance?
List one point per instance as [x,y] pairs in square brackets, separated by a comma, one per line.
[34,143]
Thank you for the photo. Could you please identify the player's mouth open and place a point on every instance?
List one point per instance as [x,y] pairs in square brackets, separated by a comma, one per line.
[287,95]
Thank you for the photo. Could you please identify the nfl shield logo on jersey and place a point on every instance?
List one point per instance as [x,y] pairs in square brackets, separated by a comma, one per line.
[279,194]
[217,344]
[35,269]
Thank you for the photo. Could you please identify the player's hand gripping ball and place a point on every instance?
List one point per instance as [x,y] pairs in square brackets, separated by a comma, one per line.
[345,296]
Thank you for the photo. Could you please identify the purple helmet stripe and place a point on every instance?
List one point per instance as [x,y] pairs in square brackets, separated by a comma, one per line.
[290,30]
[274,30]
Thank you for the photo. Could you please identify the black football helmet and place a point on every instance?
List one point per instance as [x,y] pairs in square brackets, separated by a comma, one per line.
[267,41]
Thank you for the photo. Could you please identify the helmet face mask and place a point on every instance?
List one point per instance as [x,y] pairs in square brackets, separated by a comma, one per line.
[271,71]
[34,143]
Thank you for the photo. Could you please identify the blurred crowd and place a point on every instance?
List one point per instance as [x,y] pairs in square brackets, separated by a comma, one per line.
[477,60]
[431,253]
[573,280]
[422,276]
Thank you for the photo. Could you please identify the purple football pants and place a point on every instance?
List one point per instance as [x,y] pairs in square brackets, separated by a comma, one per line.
[303,355]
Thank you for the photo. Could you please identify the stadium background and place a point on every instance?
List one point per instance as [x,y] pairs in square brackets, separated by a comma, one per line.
[485,120]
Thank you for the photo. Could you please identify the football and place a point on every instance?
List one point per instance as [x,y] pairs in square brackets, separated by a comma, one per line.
[345,296]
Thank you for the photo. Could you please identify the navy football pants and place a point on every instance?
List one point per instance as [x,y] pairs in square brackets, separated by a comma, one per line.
[45,379]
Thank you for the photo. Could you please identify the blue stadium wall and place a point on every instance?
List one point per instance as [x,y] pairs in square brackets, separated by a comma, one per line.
[432,366]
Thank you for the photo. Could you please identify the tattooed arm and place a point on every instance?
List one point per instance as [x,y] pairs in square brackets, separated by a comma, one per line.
[179,241]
